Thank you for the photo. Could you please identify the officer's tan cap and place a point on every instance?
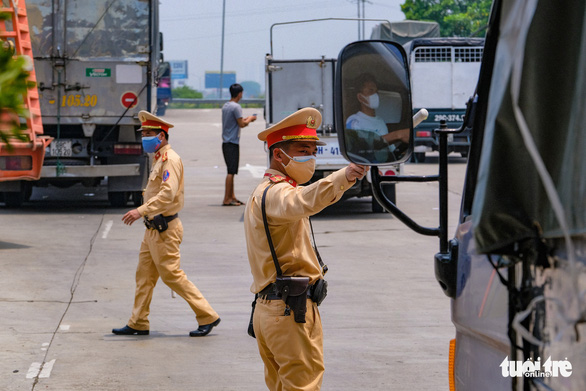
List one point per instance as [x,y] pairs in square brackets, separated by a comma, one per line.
[149,121]
[299,126]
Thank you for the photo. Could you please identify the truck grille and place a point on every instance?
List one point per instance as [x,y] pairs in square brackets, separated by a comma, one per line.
[448,54]
[468,54]
[433,54]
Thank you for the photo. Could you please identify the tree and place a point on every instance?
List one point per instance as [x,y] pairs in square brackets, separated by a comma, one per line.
[457,18]
[186,92]
[13,85]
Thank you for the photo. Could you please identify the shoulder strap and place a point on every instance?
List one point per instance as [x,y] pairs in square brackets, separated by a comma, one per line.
[270,240]
[264,219]
[324,268]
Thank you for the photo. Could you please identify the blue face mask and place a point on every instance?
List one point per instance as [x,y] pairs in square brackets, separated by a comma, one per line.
[151,144]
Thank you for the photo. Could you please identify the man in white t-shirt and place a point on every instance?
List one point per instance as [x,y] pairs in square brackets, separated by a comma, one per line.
[366,118]
[379,141]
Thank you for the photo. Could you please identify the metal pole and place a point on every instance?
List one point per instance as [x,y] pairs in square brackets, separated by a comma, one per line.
[363,16]
[358,5]
[222,55]
[443,187]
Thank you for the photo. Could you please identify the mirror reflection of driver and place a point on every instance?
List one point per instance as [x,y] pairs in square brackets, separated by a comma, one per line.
[366,118]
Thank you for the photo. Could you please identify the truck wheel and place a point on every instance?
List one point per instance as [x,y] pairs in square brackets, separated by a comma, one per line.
[376,207]
[118,199]
[14,199]
[420,157]
[390,193]
[137,198]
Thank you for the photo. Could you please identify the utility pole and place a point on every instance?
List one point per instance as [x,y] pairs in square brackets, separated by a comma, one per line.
[358,5]
[222,55]
[361,15]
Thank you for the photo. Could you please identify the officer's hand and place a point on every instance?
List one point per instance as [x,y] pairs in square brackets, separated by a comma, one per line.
[356,171]
[131,216]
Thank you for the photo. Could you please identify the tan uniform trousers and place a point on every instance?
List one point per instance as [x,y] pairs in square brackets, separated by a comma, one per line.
[159,257]
[292,352]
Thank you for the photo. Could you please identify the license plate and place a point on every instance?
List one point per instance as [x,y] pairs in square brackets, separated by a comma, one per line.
[61,148]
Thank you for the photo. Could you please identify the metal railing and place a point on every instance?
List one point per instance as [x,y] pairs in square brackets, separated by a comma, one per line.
[200,103]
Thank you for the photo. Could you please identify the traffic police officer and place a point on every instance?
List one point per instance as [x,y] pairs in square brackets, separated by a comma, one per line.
[292,352]
[159,252]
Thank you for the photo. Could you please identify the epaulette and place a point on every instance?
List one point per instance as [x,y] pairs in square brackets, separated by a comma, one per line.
[164,157]
[280,178]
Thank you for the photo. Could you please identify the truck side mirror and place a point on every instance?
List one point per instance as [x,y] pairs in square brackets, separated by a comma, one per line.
[373,103]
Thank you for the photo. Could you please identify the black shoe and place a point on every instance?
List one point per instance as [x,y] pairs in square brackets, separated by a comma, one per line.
[127,330]
[204,330]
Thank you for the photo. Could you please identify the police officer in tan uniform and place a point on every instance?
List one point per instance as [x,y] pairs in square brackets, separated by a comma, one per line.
[159,252]
[290,344]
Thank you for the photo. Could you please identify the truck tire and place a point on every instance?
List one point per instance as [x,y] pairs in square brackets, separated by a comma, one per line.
[118,199]
[419,157]
[376,207]
[14,199]
[390,193]
[137,198]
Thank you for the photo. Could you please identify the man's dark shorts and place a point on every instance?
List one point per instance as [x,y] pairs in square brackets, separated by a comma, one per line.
[231,157]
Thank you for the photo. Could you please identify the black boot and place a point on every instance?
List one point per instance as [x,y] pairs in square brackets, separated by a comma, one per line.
[127,330]
[204,330]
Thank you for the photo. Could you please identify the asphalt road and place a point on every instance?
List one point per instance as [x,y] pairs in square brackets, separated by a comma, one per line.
[67,278]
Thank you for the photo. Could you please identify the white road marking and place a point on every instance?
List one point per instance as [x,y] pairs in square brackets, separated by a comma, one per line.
[64,327]
[35,367]
[107,229]
[47,368]
[33,370]
[256,171]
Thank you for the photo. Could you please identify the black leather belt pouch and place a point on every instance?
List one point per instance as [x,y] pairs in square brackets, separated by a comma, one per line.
[160,223]
[319,291]
[293,291]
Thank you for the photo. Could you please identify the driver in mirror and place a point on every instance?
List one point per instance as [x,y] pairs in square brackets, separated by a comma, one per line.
[381,140]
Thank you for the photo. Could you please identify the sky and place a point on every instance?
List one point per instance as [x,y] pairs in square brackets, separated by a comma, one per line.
[192,31]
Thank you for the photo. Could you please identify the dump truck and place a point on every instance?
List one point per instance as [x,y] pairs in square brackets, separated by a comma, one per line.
[97,64]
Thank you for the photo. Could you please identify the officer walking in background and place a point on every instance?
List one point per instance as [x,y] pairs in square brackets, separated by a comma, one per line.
[286,269]
[159,252]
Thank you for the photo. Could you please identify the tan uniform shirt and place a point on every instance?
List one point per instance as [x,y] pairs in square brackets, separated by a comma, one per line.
[164,191]
[288,209]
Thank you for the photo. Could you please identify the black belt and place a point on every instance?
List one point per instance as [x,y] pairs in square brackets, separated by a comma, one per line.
[268,293]
[151,224]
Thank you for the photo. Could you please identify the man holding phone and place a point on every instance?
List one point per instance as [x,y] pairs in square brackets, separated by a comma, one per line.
[232,122]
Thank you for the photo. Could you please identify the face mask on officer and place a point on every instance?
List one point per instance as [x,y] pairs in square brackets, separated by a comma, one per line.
[300,168]
[371,101]
[151,144]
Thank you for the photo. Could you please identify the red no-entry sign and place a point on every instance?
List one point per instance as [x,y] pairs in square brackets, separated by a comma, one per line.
[129,99]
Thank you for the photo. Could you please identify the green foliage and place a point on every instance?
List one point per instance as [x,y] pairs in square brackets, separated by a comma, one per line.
[13,84]
[457,18]
[186,92]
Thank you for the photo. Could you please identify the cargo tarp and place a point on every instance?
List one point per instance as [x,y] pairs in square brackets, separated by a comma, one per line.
[536,117]
[405,31]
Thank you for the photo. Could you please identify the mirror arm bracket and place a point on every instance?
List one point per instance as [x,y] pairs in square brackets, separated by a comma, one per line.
[391,207]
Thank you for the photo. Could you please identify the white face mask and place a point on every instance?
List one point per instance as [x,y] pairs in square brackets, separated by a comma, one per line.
[300,168]
[373,101]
